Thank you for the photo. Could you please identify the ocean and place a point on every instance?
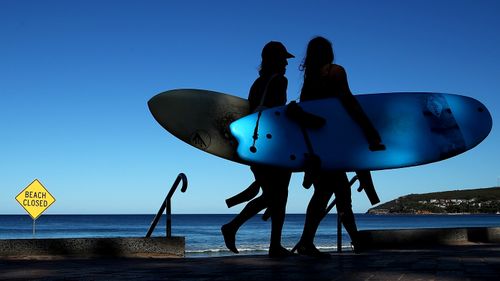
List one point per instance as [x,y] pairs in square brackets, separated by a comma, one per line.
[202,232]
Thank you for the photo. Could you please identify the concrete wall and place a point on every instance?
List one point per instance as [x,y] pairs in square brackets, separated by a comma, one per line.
[425,238]
[95,247]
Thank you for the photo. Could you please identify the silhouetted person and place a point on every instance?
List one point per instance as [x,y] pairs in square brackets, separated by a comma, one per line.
[269,90]
[323,79]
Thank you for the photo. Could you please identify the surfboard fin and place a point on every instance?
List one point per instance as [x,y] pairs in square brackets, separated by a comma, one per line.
[366,184]
[246,195]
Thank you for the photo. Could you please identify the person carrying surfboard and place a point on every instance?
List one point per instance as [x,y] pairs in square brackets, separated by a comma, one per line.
[323,79]
[268,90]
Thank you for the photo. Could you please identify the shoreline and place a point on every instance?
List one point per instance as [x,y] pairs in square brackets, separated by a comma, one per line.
[404,238]
[463,262]
[203,236]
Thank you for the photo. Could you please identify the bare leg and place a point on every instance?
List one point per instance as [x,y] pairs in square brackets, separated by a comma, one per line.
[315,210]
[344,207]
[251,209]
[275,188]
[324,187]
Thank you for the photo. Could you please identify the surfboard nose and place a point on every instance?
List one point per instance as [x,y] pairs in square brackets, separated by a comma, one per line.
[239,129]
[156,103]
[153,104]
[168,108]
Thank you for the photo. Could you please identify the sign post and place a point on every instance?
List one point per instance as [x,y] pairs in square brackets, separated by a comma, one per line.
[35,199]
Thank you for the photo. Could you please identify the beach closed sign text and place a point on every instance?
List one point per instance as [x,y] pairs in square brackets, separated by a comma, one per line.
[35,199]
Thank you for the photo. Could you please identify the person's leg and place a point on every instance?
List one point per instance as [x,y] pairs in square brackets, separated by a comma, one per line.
[276,192]
[251,209]
[344,208]
[229,230]
[323,191]
[315,211]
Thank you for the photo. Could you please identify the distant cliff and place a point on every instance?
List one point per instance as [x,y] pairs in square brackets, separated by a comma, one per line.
[473,201]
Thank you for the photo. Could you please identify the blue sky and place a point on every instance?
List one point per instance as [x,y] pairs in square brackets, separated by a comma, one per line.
[75,78]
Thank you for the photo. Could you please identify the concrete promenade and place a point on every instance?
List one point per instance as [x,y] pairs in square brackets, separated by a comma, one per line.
[94,247]
[472,261]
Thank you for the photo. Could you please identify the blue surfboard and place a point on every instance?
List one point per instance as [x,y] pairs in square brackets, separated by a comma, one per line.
[416,128]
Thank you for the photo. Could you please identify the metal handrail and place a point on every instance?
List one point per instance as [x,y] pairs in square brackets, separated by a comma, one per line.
[330,207]
[167,205]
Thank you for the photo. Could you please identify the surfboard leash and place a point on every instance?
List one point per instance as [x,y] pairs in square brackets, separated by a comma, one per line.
[253,149]
[255,136]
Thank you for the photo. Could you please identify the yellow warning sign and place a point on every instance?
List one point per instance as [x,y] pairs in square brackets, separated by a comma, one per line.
[35,199]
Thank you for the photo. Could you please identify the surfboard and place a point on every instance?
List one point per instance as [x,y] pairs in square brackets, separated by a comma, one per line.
[200,118]
[416,128]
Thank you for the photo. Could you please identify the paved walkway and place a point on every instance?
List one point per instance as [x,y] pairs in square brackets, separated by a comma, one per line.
[468,262]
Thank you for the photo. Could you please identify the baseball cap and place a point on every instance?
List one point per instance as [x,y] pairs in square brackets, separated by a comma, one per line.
[275,49]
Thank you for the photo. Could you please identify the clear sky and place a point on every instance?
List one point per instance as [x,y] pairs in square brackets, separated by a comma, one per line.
[75,78]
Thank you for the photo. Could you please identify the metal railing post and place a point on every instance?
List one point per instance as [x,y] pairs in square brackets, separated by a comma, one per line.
[339,232]
[169,220]
[167,205]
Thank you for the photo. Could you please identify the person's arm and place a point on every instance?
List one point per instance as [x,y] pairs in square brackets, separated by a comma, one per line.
[354,109]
